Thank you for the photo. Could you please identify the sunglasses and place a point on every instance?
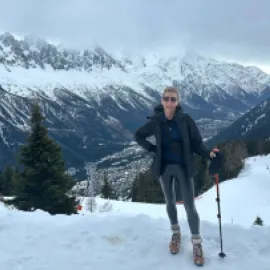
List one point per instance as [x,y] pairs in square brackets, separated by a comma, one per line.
[172,99]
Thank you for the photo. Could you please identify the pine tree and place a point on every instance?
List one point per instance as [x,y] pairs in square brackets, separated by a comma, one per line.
[7,181]
[252,148]
[1,183]
[145,188]
[258,221]
[16,179]
[134,190]
[106,190]
[43,184]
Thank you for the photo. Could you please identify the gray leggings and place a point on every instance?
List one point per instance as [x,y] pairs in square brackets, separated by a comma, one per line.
[175,172]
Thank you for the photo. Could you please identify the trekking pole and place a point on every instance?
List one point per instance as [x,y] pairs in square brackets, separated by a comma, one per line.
[221,254]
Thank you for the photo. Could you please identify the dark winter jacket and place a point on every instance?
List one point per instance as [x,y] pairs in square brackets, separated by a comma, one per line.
[171,143]
[192,140]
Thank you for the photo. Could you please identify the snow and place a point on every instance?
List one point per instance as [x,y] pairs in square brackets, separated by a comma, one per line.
[193,68]
[136,235]
[155,69]
[255,117]
[25,82]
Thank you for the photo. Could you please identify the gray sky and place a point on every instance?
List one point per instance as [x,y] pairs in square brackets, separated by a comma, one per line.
[237,30]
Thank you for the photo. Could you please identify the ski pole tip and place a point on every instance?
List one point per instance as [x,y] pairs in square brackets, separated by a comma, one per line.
[222,255]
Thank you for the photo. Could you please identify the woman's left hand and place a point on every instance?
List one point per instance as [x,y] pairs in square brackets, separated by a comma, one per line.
[212,153]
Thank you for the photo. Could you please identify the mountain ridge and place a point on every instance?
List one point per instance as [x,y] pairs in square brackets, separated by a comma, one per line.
[254,125]
[93,102]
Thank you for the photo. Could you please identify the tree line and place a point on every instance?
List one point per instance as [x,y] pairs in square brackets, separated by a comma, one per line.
[39,179]
[42,182]
[146,188]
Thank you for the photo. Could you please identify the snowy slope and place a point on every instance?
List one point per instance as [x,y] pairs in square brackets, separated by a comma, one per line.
[121,242]
[135,236]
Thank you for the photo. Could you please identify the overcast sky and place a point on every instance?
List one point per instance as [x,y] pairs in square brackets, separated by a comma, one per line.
[237,30]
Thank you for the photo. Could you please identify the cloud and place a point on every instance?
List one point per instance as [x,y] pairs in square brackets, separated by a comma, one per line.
[236,29]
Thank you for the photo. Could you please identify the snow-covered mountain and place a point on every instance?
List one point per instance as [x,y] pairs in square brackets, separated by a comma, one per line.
[253,125]
[94,101]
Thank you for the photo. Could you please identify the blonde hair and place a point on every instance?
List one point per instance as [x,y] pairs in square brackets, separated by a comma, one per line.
[171,89]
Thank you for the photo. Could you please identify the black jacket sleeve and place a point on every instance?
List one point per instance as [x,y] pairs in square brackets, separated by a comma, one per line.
[196,141]
[143,133]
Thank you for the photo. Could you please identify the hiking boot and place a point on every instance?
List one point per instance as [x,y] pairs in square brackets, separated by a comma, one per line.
[175,243]
[198,256]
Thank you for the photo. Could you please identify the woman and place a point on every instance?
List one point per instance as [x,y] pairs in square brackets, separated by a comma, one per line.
[177,138]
